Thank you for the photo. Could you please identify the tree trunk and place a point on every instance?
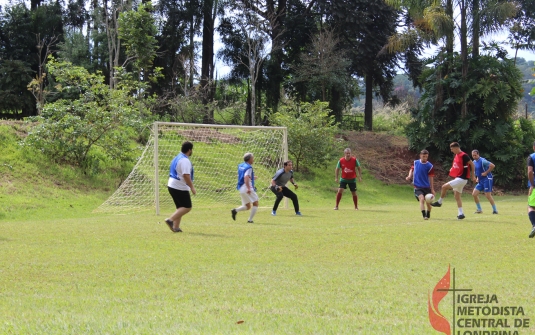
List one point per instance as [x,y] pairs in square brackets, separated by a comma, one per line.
[475,29]
[368,111]
[207,57]
[449,35]
[464,53]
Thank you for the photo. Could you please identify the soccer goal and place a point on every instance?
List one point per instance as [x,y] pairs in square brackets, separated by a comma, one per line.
[217,151]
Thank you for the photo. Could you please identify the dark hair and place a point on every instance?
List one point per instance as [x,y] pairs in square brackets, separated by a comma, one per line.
[455,145]
[286,163]
[186,146]
[476,151]
[247,157]
[425,152]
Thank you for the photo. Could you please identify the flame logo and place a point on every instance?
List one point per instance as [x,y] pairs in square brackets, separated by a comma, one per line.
[437,320]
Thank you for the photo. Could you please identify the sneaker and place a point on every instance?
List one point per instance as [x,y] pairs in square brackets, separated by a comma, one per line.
[170,224]
[273,213]
[250,221]
[233,211]
[436,204]
[335,208]
[495,212]
[479,211]
[460,217]
[178,230]
[532,232]
[298,214]
[426,218]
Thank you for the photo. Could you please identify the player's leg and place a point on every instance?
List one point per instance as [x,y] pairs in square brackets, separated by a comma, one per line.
[488,194]
[531,215]
[420,196]
[475,195]
[343,185]
[291,195]
[353,189]
[254,208]
[183,206]
[443,192]
[245,204]
[278,199]
[457,185]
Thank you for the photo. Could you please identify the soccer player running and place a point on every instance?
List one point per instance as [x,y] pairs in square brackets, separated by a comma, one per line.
[278,186]
[179,184]
[423,173]
[246,187]
[483,173]
[349,165]
[461,170]
[531,194]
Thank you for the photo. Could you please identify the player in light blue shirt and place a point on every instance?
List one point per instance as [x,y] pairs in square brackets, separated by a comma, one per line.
[483,174]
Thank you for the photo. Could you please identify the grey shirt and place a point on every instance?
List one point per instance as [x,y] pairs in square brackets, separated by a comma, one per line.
[281,177]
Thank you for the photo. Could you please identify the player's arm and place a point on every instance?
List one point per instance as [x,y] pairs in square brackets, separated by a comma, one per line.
[247,181]
[411,171]
[360,173]
[187,180]
[467,160]
[293,182]
[530,174]
[431,179]
[336,172]
[491,167]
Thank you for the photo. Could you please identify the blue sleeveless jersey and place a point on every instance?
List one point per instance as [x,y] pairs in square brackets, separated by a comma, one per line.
[421,174]
[174,163]
[242,168]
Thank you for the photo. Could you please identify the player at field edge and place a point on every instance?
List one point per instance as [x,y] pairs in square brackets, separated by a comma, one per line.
[422,174]
[531,194]
[180,183]
[483,172]
[246,187]
[349,165]
[278,186]
[461,170]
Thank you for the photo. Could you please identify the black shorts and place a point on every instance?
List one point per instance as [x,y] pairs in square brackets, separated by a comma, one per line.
[352,186]
[181,198]
[422,191]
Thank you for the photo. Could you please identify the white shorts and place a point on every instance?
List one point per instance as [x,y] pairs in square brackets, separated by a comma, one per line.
[247,198]
[458,184]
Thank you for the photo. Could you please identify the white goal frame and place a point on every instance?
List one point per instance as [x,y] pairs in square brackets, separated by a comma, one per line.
[129,197]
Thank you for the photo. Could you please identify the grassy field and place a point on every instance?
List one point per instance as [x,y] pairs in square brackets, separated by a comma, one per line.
[328,272]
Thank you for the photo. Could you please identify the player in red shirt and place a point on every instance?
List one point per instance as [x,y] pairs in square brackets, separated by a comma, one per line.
[349,165]
[461,170]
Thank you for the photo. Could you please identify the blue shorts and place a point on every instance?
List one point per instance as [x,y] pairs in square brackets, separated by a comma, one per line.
[484,186]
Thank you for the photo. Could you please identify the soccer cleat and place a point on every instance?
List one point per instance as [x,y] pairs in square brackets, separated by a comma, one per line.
[233,211]
[170,224]
[479,211]
[426,218]
[273,213]
[178,230]
[532,232]
[298,214]
[460,217]
[335,208]
[436,204]
[250,221]
[495,212]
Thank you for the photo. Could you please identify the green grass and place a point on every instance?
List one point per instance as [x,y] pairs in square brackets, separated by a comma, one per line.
[66,270]
[328,272]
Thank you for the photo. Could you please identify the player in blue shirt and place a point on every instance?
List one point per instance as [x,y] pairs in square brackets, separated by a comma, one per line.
[483,174]
[422,174]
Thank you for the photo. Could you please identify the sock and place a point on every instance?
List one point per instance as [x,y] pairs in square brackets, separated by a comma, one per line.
[428,214]
[355,201]
[532,218]
[460,209]
[338,197]
[478,206]
[494,208]
[241,209]
[440,200]
[423,213]
[253,212]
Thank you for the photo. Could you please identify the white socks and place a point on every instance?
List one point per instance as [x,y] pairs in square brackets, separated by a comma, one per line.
[253,212]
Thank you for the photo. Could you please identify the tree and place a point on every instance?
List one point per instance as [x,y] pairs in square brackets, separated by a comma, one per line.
[307,123]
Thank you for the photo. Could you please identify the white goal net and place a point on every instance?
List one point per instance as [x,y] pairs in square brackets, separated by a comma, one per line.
[217,151]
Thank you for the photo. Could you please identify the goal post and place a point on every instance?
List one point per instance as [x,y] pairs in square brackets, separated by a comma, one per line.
[217,151]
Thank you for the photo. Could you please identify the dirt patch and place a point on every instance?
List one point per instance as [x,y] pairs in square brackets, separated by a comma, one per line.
[388,158]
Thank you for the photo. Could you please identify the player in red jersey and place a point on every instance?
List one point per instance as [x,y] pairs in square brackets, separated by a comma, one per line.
[348,165]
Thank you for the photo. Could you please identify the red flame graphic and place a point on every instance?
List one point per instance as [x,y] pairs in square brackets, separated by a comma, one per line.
[437,320]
